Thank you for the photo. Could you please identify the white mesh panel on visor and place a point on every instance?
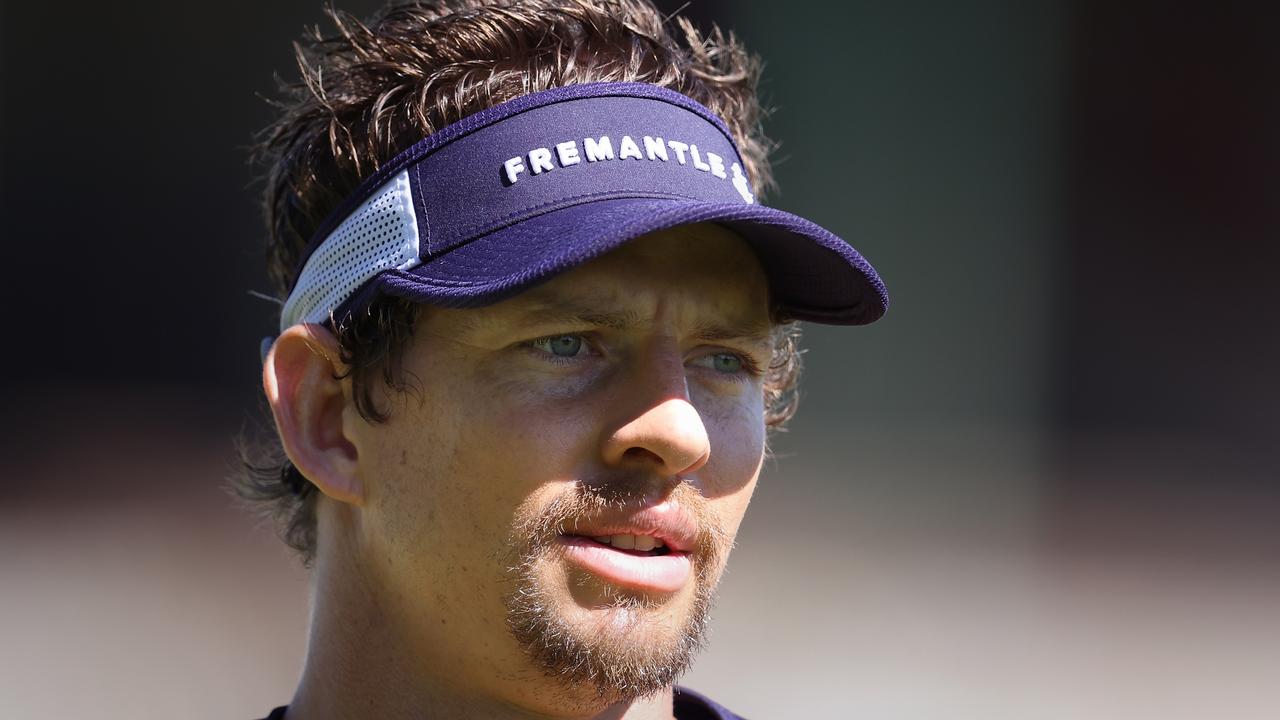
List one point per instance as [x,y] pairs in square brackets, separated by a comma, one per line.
[380,234]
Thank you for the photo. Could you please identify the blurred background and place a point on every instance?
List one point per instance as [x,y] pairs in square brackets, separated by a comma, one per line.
[1046,485]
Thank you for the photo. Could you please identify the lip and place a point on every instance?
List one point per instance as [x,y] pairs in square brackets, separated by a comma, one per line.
[667,522]
[665,574]
[647,573]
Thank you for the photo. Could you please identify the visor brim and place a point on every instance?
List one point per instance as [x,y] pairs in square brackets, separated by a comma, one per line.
[813,274]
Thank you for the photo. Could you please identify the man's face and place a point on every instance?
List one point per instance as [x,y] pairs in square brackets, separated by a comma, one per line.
[619,404]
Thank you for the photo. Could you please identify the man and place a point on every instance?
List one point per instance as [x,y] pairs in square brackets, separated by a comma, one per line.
[536,328]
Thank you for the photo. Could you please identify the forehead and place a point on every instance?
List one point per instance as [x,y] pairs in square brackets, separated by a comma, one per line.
[696,275]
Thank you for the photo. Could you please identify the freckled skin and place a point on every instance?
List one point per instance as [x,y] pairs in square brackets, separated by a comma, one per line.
[501,428]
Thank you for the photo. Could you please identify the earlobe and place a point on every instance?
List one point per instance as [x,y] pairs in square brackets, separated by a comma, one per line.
[301,377]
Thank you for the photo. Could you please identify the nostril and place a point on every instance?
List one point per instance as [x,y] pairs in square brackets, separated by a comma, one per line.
[639,454]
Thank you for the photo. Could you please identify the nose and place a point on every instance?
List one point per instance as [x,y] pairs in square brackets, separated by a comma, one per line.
[666,437]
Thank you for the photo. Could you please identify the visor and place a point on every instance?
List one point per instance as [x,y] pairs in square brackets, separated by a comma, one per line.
[517,193]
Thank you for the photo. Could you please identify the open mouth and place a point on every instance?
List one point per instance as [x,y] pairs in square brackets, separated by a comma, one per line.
[638,562]
[638,545]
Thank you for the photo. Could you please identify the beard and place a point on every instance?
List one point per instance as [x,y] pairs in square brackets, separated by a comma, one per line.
[627,650]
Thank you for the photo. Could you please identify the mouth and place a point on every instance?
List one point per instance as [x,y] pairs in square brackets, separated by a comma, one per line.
[638,545]
[637,562]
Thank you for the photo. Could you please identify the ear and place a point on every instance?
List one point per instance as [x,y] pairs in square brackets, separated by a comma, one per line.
[300,376]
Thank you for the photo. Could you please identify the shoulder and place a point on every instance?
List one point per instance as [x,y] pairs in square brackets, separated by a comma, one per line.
[690,705]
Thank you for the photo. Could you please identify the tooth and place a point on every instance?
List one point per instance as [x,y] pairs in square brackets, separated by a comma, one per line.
[658,543]
[624,542]
[644,543]
[603,539]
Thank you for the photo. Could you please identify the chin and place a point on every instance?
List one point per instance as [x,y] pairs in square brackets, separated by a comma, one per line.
[602,643]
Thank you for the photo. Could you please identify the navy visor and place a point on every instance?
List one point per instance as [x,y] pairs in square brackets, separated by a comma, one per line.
[514,194]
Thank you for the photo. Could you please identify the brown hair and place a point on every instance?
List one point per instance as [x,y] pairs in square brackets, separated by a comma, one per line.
[369,90]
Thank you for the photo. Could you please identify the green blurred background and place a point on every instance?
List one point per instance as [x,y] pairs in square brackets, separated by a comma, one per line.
[1045,485]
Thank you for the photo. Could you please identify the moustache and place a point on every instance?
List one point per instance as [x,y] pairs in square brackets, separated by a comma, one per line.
[617,497]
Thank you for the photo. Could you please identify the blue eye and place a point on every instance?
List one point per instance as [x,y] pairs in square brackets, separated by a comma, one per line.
[726,362]
[560,345]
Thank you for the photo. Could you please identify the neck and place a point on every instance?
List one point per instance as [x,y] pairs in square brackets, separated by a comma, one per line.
[363,662]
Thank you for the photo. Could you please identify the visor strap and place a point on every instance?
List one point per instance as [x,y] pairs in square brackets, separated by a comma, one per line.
[382,234]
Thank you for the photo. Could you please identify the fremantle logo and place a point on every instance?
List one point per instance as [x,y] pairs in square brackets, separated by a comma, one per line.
[540,160]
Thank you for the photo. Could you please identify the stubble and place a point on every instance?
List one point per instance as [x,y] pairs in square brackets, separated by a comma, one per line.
[625,653]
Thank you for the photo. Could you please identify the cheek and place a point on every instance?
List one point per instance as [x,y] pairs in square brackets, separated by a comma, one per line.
[433,495]
[736,430]
[455,467]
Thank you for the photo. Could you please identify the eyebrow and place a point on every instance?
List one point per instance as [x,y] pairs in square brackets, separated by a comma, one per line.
[579,311]
[752,332]
[587,311]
